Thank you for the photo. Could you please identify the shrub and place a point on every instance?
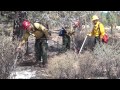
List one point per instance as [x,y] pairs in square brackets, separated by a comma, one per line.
[71,66]
[6,56]
[108,58]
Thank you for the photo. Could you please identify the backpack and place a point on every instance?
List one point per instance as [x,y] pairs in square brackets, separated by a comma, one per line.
[38,30]
[105,37]
[62,32]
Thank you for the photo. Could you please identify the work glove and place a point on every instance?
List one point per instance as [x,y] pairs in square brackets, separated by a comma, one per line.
[89,35]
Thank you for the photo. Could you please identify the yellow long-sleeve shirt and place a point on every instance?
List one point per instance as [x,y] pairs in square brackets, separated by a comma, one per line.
[38,33]
[98,29]
[71,32]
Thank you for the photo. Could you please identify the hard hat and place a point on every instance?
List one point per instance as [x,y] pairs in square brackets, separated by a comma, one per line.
[37,25]
[26,24]
[95,18]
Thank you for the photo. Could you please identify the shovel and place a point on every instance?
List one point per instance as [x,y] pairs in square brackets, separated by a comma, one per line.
[83,44]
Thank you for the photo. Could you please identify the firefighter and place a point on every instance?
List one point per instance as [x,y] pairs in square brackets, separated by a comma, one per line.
[98,30]
[66,40]
[41,46]
[76,28]
[65,33]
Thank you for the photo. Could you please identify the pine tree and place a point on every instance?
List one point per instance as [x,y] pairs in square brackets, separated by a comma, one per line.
[111,20]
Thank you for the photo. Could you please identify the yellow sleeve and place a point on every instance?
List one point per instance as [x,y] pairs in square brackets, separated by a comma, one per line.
[102,31]
[73,31]
[45,30]
[25,37]
[91,33]
[70,32]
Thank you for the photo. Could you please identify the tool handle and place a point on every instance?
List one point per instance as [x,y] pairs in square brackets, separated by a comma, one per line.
[83,44]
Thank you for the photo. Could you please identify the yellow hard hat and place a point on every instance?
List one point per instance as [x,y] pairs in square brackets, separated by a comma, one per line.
[95,18]
[37,25]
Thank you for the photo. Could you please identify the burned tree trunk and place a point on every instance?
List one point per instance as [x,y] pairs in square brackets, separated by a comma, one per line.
[111,28]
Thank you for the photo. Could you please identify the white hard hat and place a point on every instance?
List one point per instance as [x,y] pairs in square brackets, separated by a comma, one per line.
[95,17]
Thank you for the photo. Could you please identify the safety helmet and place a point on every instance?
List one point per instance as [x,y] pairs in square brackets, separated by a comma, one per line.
[95,17]
[26,24]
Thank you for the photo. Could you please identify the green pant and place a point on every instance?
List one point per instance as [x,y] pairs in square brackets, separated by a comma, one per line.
[41,47]
[97,40]
[66,43]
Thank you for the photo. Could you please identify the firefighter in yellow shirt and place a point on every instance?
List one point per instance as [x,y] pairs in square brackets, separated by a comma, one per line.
[98,30]
[41,34]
